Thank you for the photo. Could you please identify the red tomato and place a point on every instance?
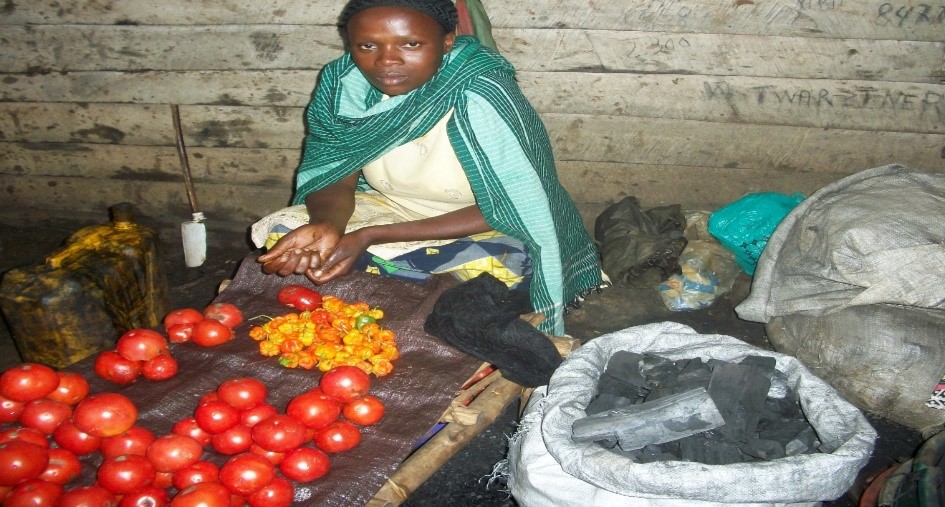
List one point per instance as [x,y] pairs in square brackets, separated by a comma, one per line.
[148,496]
[273,456]
[211,332]
[45,415]
[27,382]
[235,440]
[338,436]
[346,383]
[63,467]
[211,396]
[112,366]
[279,433]
[87,497]
[244,474]
[160,367]
[31,435]
[216,416]
[21,461]
[33,493]
[205,494]
[299,297]
[258,413]
[278,493]
[141,344]
[304,464]
[105,414]
[125,474]
[314,410]
[365,411]
[70,437]
[133,441]
[242,393]
[201,471]
[72,388]
[180,333]
[10,410]
[164,480]
[189,428]
[169,453]
[182,316]
[228,314]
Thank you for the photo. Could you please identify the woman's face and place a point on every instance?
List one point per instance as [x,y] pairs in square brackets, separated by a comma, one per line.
[397,49]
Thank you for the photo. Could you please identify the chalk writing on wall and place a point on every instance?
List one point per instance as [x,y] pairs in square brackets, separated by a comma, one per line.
[926,104]
[822,5]
[910,15]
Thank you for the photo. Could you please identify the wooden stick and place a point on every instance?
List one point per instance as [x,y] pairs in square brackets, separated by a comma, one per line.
[426,460]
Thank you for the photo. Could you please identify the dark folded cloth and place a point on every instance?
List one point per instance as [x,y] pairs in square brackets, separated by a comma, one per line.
[481,318]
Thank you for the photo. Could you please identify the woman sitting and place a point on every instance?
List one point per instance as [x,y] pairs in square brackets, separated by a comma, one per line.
[422,156]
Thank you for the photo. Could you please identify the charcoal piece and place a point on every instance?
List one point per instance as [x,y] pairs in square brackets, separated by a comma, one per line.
[608,384]
[780,387]
[763,362]
[625,366]
[762,449]
[606,402]
[782,408]
[658,370]
[609,442]
[739,391]
[664,420]
[796,435]
[700,449]
[782,429]
[692,374]
[805,443]
[654,453]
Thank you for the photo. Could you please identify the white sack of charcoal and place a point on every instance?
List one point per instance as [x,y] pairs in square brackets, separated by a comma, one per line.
[660,415]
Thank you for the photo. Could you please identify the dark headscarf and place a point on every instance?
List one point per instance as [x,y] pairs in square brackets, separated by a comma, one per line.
[443,11]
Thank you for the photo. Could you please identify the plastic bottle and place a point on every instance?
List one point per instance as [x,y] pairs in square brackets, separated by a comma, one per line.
[105,280]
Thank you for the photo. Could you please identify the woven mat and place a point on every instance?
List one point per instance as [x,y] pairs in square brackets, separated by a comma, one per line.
[425,378]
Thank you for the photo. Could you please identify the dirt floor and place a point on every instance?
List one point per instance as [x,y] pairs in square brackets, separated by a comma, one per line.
[464,480]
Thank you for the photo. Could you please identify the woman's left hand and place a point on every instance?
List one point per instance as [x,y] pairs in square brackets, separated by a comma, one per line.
[343,258]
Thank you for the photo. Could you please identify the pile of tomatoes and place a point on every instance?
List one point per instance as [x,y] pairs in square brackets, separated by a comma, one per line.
[52,421]
[326,333]
[145,352]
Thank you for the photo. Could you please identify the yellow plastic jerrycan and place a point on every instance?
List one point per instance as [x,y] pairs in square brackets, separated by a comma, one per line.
[105,280]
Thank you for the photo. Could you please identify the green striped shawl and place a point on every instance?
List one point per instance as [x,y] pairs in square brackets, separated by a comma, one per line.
[501,144]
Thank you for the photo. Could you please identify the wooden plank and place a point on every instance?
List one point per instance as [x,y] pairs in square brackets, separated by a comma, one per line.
[60,48]
[173,12]
[852,105]
[130,124]
[223,87]
[869,19]
[697,188]
[721,55]
[622,139]
[607,139]
[163,201]
[239,166]
[857,105]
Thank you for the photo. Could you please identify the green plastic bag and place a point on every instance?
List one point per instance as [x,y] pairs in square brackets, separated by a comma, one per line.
[745,225]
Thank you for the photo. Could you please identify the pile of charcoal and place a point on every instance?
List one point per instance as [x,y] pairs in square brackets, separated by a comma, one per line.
[650,408]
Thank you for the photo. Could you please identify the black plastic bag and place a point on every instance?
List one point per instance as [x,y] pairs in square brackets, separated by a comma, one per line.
[640,248]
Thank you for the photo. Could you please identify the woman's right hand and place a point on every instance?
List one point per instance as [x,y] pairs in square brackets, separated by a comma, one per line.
[301,250]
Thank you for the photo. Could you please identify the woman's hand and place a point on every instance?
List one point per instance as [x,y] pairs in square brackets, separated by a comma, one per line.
[300,251]
[343,258]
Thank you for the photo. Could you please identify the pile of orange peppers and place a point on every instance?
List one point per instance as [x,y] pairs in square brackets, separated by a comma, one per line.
[338,333]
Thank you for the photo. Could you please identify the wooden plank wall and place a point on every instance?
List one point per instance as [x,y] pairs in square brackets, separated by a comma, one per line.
[694,102]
